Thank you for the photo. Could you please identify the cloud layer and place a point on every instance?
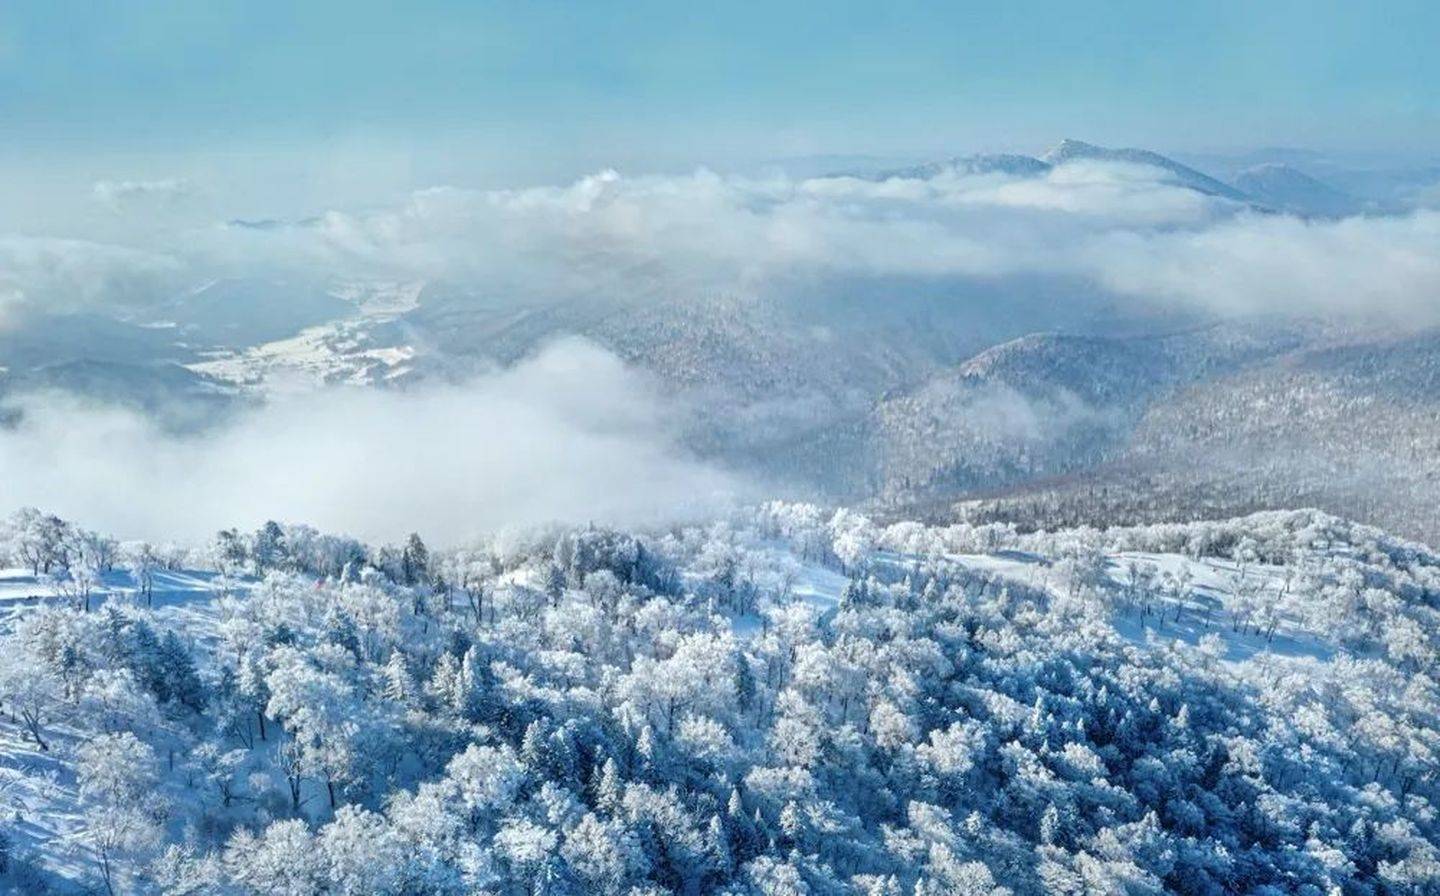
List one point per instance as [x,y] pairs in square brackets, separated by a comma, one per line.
[569,434]
[1122,228]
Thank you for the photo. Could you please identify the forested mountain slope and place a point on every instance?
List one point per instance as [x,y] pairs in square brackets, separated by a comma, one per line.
[1352,426]
[790,700]
[1048,404]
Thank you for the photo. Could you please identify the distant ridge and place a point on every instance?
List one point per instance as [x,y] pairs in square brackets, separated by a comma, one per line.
[985,163]
[1071,150]
[1019,165]
[1287,188]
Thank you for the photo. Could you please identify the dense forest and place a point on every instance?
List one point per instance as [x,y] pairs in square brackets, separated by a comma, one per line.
[788,701]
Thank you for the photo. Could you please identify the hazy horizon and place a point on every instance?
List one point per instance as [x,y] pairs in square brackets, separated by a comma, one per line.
[277,109]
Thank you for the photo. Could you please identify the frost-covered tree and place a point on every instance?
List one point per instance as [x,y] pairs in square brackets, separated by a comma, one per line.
[121,812]
[711,708]
[29,689]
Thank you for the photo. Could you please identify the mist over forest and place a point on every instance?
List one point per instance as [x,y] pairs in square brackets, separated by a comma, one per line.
[633,449]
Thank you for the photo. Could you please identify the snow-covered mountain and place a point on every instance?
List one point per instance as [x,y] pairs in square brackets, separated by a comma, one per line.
[1324,419]
[937,376]
[1071,150]
[1046,405]
[1040,405]
[861,394]
[1378,182]
[180,399]
[1290,189]
[1023,166]
[101,360]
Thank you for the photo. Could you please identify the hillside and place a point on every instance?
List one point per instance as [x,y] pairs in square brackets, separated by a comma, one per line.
[1048,405]
[1346,426]
[790,695]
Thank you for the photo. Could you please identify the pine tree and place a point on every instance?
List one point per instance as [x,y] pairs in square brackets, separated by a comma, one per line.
[414,561]
[440,689]
[791,824]
[738,826]
[554,583]
[466,694]
[399,685]
[268,550]
[1050,832]
[533,746]
[645,751]
[719,861]
[254,690]
[611,789]
[182,679]
[744,682]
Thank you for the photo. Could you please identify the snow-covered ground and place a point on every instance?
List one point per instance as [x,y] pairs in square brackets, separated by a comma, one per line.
[336,352]
[1208,604]
[38,788]
[778,571]
[38,797]
[1188,599]
[327,354]
[183,598]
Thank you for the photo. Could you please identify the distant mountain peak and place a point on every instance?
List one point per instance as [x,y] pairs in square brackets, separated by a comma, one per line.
[1069,149]
[1287,188]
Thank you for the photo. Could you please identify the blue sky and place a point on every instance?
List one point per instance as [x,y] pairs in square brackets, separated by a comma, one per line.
[496,91]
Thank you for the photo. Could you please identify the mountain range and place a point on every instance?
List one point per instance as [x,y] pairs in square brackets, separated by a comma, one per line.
[904,394]
[1270,184]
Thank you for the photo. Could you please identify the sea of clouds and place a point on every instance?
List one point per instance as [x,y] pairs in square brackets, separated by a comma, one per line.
[1125,228]
[571,433]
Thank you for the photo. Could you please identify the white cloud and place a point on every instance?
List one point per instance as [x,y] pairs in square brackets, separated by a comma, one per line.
[569,434]
[1372,267]
[1125,228]
[120,194]
[68,275]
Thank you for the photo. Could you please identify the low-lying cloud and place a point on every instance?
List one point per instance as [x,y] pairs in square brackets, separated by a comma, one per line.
[569,434]
[1386,266]
[66,275]
[1126,229]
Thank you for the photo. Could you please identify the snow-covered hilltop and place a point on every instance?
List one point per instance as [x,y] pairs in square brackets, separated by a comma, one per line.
[786,700]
